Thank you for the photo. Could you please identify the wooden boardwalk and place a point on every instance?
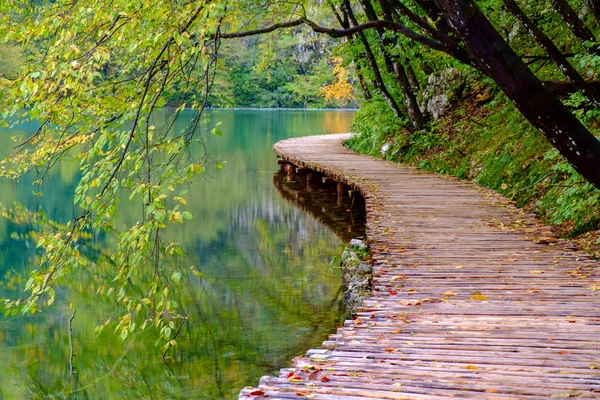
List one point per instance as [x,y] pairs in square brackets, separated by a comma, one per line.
[472,297]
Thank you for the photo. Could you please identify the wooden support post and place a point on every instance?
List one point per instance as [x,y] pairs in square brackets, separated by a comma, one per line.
[340,189]
[289,168]
[309,177]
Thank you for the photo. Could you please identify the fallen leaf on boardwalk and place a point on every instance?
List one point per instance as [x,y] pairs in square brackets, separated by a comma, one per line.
[449,293]
[392,292]
[594,287]
[533,290]
[258,393]
[295,378]
[325,379]
[570,318]
[459,266]
[397,331]
[594,366]
[301,393]
[290,375]
[491,390]
[536,271]
[473,367]
[511,259]
[568,395]
[396,277]
[478,296]
[431,300]
[389,350]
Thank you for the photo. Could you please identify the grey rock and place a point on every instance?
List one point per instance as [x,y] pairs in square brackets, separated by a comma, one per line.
[364,269]
[442,88]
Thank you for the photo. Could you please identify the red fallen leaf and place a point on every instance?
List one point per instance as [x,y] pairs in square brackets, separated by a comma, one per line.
[258,393]
[392,292]
[290,375]
[301,393]
[325,379]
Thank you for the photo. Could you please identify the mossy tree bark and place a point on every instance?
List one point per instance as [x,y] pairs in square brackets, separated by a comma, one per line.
[566,133]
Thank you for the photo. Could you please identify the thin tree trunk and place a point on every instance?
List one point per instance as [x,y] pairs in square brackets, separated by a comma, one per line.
[378,81]
[412,107]
[594,6]
[554,52]
[414,112]
[579,29]
[345,23]
[412,78]
[363,85]
[566,133]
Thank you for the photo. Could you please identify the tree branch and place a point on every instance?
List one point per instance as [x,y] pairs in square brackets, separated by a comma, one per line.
[268,29]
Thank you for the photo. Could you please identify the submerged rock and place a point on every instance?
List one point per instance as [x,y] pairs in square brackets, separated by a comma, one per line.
[356,273]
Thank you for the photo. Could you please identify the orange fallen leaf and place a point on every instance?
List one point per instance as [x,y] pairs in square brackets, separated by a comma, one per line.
[536,271]
[570,318]
[449,293]
[473,367]
[491,390]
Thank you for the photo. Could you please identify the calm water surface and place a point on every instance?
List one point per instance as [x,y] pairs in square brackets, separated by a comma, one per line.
[267,292]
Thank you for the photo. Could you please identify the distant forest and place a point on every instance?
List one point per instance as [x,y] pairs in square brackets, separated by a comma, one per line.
[281,70]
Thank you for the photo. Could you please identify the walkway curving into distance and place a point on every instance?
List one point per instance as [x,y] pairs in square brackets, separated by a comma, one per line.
[472,298]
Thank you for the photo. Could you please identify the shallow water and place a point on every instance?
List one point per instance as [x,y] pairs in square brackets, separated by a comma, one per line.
[267,294]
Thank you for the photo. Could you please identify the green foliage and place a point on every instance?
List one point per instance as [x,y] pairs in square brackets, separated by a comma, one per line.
[101,76]
[374,125]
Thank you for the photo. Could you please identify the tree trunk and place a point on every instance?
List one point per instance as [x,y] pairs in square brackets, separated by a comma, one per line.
[534,101]
[594,6]
[579,29]
[363,85]
[395,67]
[412,78]
[554,52]
[378,81]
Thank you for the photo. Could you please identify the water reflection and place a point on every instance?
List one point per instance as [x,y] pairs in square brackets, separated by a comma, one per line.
[262,290]
[346,216]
